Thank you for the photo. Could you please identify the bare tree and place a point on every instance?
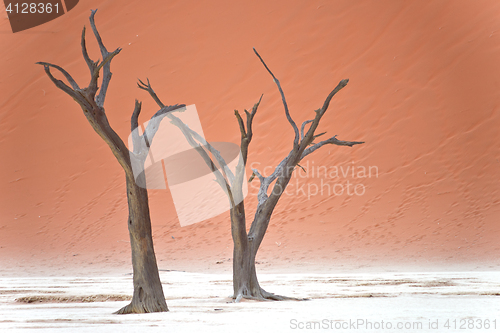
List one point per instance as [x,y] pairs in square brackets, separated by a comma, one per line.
[247,243]
[148,292]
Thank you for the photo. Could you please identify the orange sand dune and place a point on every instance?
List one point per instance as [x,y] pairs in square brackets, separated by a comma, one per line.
[423,94]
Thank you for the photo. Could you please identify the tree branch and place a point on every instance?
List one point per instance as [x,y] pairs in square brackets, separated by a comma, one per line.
[241,124]
[339,86]
[287,113]
[309,136]
[134,124]
[75,94]
[227,177]
[134,120]
[222,178]
[105,81]
[154,123]
[106,56]
[150,90]
[246,133]
[68,77]
[91,64]
[334,141]
[250,116]
[302,128]
[257,173]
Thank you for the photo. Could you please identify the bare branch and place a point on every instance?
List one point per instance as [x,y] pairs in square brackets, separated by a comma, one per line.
[106,77]
[76,95]
[105,81]
[186,130]
[62,70]
[85,53]
[103,49]
[334,141]
[250,116]
[290,120]
[241,123]
[309,136]
[222,178]
[134,124]
[303,126]
[280,170]
[317,136]
[134,121]
[252,176]
[226,172]
[150,90]
[154,123]
[246,134]
[257,173]
[339,86]
[169,108]
[300,166]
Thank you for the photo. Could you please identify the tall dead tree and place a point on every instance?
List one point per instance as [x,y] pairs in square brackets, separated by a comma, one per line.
[148,292]
[247,243]
[245,283]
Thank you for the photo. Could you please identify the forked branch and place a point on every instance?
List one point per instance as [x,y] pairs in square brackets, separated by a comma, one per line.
[303,127]
[74,92]
[287,112]
[105,54]
[93,106]
[246,133]
[308,138]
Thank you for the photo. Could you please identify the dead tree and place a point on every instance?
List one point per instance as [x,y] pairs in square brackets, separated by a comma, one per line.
[148,292]
[247,243]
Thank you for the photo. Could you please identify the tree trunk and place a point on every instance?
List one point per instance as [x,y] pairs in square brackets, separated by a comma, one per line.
[148,292]
[245,282]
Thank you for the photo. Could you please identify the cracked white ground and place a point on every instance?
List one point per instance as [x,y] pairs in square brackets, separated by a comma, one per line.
[199,302]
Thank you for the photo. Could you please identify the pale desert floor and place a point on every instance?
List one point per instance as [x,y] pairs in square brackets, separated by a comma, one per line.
[199,302]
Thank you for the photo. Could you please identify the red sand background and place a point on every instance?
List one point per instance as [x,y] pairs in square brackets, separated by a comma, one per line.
[423,94]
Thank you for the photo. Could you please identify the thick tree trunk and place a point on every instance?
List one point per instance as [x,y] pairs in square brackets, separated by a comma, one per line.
[245,282]
[148,292]
[241,250]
